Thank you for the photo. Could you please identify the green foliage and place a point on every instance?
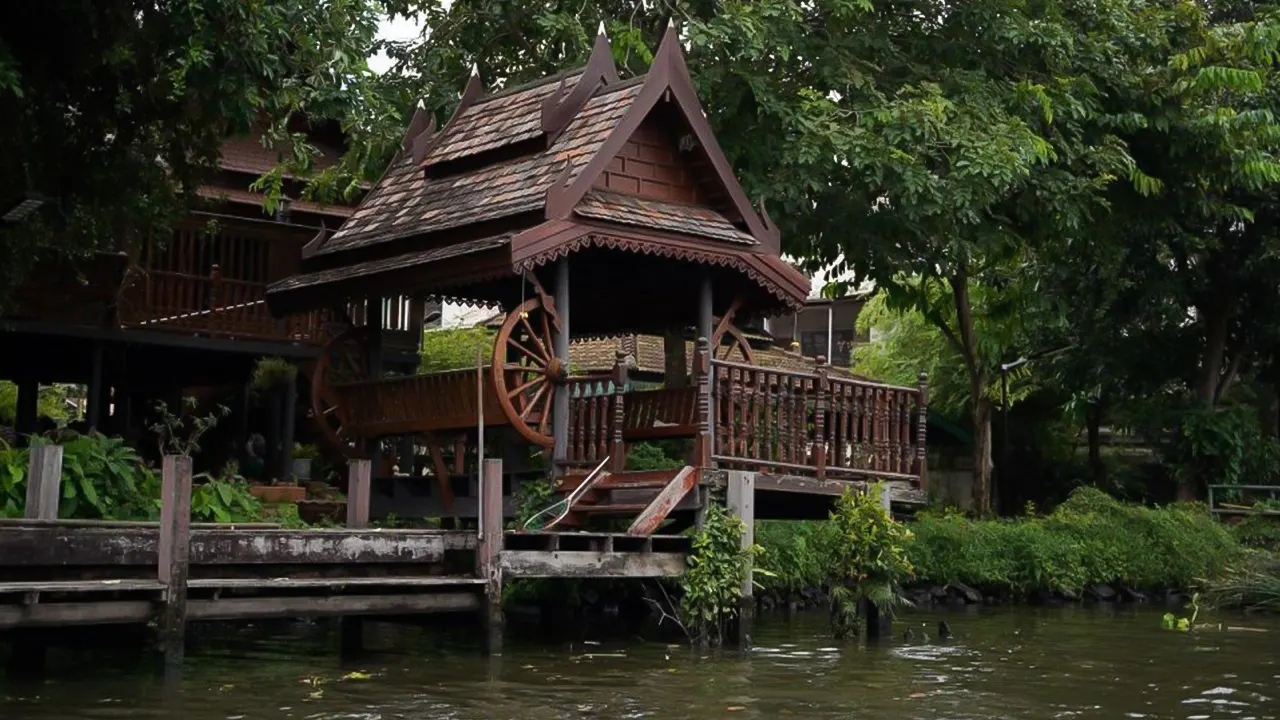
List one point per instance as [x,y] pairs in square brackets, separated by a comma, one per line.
[652,456]
[1091,538]
[713,580]
[180,434]
[212,68]
[1258,531]
[303,451]
[532,496]
[102,479]
[868,559]
[797,553]
[1251,584]
[51,402]
[455,349]
[270,373]
[225,500]
[1183,624]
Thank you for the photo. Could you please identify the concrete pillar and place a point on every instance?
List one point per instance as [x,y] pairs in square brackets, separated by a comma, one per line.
[44,482]
[560,405]
[175,545]
[741,500]
[488,555]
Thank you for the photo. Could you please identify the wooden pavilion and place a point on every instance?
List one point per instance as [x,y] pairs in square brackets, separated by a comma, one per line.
[589,206]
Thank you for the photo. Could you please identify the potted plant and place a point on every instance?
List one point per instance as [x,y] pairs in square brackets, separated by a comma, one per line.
[303,456]
[282,491]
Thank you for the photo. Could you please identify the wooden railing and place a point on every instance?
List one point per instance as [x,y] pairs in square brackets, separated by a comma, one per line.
[815,423]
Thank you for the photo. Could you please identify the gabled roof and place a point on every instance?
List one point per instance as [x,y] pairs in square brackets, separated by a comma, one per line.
[529,162]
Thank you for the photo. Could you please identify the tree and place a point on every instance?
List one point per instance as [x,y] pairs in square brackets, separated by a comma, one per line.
[114,110]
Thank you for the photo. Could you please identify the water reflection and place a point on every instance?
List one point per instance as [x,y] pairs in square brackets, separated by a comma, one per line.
[1004,663]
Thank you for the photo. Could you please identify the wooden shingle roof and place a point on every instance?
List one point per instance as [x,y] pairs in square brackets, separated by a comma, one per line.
[547,164]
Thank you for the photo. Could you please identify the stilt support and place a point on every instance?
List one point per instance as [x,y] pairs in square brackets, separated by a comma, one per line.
[487,556]
[741,499]
[175,527]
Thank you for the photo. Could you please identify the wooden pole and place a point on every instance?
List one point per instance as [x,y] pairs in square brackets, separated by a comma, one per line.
[359,473]
[922,427]
[706,312]
[287,415]
[560,406]
[740,498]
[359,478]
[704,443]
[95,393]
[175,526]
[488,554]
[44,482]
[28,402]
[617,447]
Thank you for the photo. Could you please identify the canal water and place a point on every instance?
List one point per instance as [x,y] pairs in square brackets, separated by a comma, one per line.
[1001,663]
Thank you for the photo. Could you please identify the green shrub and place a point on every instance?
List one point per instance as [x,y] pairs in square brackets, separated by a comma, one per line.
[796,554]
[455,349]
[1253,584]
[713,580]
[1091,538]
[652,456]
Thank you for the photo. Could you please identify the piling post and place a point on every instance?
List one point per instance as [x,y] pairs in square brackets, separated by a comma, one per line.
[44,482]
[359,474]
[489,552]
[880,624]
[175,545]
[740,497]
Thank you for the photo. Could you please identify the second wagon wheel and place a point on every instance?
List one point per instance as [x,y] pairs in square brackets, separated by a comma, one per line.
[730,344]
[526,374]
[343,359]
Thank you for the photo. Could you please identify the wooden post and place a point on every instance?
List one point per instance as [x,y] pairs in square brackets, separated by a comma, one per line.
[741,500]
[375,321]
[560,405]
[706,312]
[94,392]
[820,389]
[618,448]
[175,525]
[44,482]
[922,426]
[287,422]
[704,443]
[359,473]
[28,402]
[487,555]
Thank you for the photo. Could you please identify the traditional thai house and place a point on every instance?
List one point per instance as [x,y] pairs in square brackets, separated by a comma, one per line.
[183,312]
[587,206]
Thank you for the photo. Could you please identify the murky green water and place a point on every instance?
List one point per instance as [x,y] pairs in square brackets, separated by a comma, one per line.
[1046,663]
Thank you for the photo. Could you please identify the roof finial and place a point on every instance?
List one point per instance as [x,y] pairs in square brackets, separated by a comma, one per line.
[422,104]
[475,69]
[602,31]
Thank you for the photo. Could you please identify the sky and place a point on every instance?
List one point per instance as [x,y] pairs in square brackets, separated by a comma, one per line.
[397,28]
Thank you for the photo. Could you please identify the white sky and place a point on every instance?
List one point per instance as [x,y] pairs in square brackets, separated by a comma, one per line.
[397,28]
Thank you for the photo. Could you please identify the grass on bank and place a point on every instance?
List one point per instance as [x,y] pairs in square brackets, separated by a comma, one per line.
[1091,538]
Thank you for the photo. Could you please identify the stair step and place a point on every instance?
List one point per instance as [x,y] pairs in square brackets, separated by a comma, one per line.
[630,480]
[611,509]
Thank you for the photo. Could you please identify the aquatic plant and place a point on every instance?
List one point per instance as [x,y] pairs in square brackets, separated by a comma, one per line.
[712,584]
[1184,624]
[1253,584]
[868,561]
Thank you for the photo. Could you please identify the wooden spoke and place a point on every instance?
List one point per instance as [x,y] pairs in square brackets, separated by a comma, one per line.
[525,374]
[526,386]
[343,359]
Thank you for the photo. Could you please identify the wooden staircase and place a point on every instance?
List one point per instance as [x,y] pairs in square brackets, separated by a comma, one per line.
[647,497]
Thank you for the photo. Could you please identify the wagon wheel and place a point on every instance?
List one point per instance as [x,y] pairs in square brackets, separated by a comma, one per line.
[737,349]
[343,359]
[525,373]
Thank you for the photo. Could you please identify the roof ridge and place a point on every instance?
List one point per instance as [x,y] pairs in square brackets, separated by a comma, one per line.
[562,75]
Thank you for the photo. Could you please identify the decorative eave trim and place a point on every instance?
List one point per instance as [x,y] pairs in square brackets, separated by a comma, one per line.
[420,129]
[559,109]
[424,143]
[314,244]
[669,72]
[559,238]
